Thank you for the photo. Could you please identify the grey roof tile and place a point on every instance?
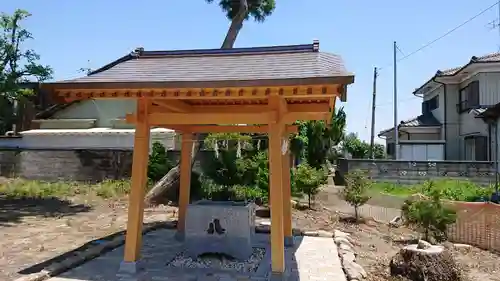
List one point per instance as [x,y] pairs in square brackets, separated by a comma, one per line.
[493,57]
[279,62]
[424,120]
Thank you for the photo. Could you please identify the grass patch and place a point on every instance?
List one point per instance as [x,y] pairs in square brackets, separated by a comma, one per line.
[19,188]
[450,189]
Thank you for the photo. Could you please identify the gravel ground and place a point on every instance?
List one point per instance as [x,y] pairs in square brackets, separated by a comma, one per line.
[220,262]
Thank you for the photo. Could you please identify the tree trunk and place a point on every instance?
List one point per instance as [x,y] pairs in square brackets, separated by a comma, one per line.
[171,179]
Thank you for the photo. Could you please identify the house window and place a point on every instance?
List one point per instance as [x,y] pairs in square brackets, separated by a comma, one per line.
[390,149]
[476,148]
[429,105]
[469,97]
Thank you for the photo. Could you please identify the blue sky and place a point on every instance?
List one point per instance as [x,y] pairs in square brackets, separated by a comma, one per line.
[69,34]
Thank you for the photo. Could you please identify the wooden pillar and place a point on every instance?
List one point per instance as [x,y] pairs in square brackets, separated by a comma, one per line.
[287,197]
[276,194]
[185,178]
[139,180]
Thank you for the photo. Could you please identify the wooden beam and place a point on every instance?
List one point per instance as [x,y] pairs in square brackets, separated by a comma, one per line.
[276,198]
[291,117]
[278,104]
[263,129]
[189,90]
[165,119]
[332,109]
[207,118]
[315,107]
[185,179]
[173,105]
[133,238]
[287,197]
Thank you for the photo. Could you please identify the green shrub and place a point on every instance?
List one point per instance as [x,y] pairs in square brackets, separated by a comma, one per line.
[455,190]
[309,180]
[216,192]
[429,216]
[356,190]
[112,189]
[158,163]
[39,189]
[249,193]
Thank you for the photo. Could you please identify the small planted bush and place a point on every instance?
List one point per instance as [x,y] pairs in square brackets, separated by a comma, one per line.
[356,190]
[308,180]
[429,216]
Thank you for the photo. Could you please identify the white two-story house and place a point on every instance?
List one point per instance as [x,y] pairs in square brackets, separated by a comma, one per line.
[449,127]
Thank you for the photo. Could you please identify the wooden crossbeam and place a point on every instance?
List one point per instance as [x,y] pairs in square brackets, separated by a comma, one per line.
[270,117]
[173,105]
[262,129]
[318,107]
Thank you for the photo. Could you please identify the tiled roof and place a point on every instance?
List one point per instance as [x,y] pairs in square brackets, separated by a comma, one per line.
[493,57]
[424,120]
[421,121]
[489,58]
[277,62]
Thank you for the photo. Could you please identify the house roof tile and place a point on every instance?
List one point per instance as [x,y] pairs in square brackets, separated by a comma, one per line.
[277,62]
[493,57]
[424,120]
[489,58]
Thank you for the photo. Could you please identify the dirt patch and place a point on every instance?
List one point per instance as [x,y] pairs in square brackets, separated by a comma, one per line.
[39,230]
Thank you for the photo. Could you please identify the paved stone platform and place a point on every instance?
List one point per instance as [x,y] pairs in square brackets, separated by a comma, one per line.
[311,259]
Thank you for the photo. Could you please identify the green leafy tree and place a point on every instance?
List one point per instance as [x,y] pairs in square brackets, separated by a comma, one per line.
[356,190]
[18,65]
[361,149]
[379,151]
[356,147]
[315,139]
[309,180]
[237,12]
[429,215]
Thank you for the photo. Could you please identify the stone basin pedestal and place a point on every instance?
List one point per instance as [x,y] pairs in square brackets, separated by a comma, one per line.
[220,227]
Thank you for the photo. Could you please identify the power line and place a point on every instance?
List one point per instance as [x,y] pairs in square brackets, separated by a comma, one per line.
[397,47]
[400,101]
[444,35]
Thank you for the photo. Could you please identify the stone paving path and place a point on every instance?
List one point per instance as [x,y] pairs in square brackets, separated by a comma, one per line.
[317,259]
[311,259]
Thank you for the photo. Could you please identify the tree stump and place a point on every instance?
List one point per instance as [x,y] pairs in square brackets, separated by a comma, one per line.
[425,262]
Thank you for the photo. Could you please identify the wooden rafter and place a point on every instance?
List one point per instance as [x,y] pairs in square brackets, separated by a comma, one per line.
[309,91]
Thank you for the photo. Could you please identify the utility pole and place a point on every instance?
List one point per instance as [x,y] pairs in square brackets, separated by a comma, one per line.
[374,97]
[495,24]
[396,133]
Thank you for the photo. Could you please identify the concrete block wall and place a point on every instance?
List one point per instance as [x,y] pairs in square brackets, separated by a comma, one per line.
[414,172]
[73,165]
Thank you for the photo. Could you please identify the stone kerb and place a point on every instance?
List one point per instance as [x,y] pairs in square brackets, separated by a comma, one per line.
[220,227]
